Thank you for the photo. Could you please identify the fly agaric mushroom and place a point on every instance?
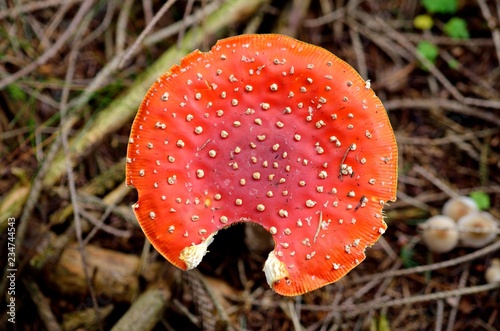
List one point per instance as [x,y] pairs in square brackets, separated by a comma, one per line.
[270,130]
[440,234]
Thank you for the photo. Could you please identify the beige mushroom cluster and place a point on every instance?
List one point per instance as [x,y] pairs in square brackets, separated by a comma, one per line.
[461,222]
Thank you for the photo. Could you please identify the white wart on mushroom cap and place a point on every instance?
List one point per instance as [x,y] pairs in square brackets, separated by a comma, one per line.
[271,130]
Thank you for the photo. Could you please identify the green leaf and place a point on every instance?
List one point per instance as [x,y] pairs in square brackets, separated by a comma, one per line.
[457,28]
[423,22]
[482,199]
[441,6]
[428,50]
[16,93]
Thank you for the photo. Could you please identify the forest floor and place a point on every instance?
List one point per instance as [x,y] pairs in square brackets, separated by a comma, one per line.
[72,76]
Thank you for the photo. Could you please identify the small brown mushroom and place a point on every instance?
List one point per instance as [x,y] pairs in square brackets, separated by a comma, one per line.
[440,234]
[459,206]
[477,229]
[492,274]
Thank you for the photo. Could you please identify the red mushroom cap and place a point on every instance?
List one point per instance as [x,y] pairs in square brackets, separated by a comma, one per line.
[271,130]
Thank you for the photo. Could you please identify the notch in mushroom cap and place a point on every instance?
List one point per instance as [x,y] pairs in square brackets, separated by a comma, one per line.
[270,130]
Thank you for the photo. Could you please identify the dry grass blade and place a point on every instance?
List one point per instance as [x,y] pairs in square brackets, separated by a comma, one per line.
[33,6]
[175,28]
[352,311]
[73,57]
[85,7]
[151,24]
[440,265]
[490,19]
[449,105]
[146,311]
[420,298]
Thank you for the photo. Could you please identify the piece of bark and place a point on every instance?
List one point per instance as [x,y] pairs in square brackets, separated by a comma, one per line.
[85,319]
[113,274]
[145,312]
